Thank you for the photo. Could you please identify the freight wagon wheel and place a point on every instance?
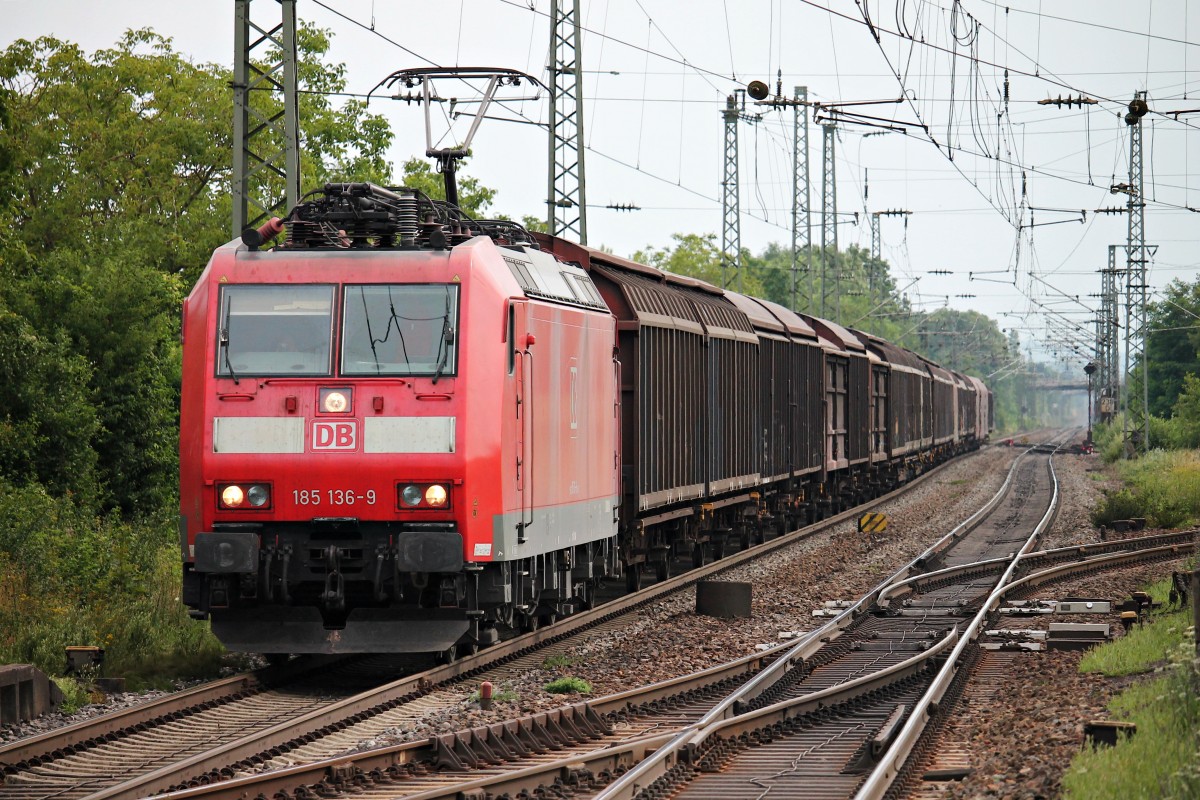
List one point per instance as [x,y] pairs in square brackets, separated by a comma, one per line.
[633,578]
[529,621]
[697,556]
[662,569]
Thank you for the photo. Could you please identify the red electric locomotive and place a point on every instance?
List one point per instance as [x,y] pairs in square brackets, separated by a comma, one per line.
[396,434]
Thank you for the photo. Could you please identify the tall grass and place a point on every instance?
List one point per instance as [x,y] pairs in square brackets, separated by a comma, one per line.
[1162,759]
[1163,486]
[1145,647]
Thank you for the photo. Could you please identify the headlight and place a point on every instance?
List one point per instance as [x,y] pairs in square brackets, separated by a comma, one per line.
[336,401]
[411,495]
[232,496]
[258,495]
[255,496]
[436,495]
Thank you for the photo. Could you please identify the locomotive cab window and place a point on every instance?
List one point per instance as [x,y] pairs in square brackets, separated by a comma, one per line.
[274,330]
[400,329]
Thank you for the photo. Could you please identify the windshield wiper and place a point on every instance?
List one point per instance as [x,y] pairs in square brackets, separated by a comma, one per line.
[447,342]
[225,353]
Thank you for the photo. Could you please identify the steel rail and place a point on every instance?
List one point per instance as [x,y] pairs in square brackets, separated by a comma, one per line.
[46,746]
[1111,561]
[346,770]
[348,767]
[599,765]
[664,759]
[893,759]
[1136,542]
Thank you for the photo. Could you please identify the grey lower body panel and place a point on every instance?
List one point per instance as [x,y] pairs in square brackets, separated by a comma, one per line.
[288,629]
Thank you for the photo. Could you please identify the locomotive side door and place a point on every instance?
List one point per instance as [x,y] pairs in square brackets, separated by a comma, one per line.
[521,368]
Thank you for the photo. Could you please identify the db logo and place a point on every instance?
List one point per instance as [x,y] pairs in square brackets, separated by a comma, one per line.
[334,435]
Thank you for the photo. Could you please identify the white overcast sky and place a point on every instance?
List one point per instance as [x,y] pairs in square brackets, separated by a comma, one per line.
[658,73]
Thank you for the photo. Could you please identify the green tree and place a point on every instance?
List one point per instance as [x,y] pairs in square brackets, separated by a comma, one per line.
[47,420]
[697,256]
[122,160]
[473,197]
[1173,346]
[338,143]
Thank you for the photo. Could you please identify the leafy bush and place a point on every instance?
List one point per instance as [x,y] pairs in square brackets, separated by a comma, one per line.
[1168,483]
[1121,504]
[68,577]
[1162,486]
[75,695]
[568,686]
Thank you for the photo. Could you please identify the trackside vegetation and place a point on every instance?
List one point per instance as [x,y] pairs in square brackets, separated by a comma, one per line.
[1163,486]
[1162,759]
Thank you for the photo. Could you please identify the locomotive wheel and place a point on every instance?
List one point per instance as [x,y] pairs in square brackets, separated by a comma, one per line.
[448,656]
[467,649]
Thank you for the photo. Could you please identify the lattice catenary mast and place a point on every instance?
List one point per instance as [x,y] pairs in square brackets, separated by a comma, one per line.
[566,213]
[829,238]
[731,210]
[264,146]
[1108,367]
[1137,391]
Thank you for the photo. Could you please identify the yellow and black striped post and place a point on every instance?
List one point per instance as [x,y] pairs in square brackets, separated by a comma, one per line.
[872,522]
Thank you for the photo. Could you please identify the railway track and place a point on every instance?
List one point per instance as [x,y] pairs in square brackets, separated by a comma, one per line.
[841,695]
[270,718]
